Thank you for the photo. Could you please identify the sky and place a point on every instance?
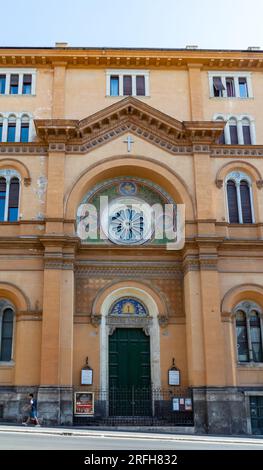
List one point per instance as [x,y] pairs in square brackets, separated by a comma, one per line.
[223,24]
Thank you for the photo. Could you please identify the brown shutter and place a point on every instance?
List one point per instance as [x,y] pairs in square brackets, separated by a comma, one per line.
[14,193]
[127,85]
[233,135]
[245,202]
[232,202]
[27,79]
[246,135]
[217,82]
[140,85]
[14,79]
[2,185]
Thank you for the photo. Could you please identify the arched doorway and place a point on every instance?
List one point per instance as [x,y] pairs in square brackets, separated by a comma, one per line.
[130,351]
[129,359]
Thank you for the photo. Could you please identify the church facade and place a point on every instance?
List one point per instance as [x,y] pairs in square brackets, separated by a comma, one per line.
[101,318]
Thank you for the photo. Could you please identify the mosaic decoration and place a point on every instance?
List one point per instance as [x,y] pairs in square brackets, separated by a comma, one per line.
[126,227]
[128,306]
[128,188]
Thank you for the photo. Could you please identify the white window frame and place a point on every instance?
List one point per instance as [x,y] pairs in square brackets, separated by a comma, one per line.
[5,117]
[21,72]
[235,76]
[237,177]
[239,120]
[4,304]
[8,174]
[134,73]
[246,306]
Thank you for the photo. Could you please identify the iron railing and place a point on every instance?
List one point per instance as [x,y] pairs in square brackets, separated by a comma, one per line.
[140,406]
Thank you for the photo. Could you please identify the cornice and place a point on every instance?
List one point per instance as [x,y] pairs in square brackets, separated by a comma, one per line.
[129,114]
[128,57]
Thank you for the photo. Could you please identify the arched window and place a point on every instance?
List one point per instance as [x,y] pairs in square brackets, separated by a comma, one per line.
[6,330]
[2,198]
[239,198]
[249,332]
[232,202]
[11,129]
[233,131]
[239,129]
[9,195]
[245,202]
[1,128]
[24,133]
[246,131]
[221,139]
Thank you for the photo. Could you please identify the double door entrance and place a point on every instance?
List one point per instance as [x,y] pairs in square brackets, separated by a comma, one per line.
[129,373]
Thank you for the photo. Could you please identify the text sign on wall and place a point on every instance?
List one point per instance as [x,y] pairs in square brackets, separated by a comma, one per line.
[86,376]
[174,377]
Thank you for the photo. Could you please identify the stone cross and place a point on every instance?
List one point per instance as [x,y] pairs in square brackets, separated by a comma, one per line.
[129,141]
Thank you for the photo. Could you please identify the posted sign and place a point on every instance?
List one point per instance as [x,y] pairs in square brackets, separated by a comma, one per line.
[84,404]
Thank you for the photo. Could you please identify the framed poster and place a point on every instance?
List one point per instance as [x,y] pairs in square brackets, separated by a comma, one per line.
[188,404]
[175,404]
[86,376]
[84,404]
[174,377]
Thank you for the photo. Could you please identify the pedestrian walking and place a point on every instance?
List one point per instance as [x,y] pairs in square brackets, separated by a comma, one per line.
[32,406]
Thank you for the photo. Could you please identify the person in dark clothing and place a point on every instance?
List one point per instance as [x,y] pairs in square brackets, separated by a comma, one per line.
[32,418]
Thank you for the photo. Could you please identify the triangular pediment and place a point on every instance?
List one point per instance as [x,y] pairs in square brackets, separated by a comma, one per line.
[128,115]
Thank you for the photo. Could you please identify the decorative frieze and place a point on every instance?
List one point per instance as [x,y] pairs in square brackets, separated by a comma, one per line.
[132,270]
[240,151]
[129,321]
[23,149]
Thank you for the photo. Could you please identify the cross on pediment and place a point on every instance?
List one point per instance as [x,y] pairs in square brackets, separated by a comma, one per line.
[129,143]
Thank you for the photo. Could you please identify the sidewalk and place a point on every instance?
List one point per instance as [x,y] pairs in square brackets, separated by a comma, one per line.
[124,433]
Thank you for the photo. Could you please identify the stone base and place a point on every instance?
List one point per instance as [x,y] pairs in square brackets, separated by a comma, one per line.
[13,401]
[55,405]
[222,410]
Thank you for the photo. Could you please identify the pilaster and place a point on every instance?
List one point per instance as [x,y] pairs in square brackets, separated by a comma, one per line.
[58,109]
[204,193]
[196,92]
[58,310]
[55,190]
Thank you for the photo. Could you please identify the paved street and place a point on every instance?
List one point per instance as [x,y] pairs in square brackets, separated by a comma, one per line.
[48,439]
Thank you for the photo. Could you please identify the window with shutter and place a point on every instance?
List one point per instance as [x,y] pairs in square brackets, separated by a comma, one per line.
[7,335]
[233,134]
[232,202]
[218,86]
[13,200]
[242,338]
[230,87]
[114,86]
[127,85]
[14,79]
[255,334]
[245,202]
[27,84]
[2,198]
[140,85]
[2,84]
[246,134]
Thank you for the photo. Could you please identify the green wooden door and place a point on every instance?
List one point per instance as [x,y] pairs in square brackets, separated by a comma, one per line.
[129,373]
